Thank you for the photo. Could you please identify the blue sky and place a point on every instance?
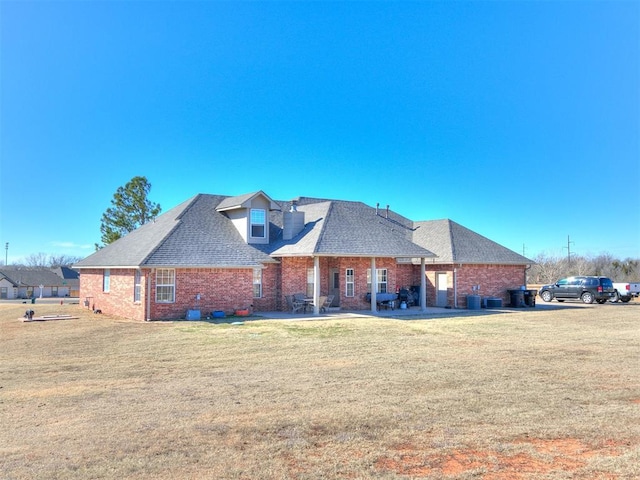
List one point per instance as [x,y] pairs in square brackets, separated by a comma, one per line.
[519,120]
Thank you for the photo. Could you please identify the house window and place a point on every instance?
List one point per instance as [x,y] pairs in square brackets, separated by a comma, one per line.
[54,291]
[382,280]
[258,223]
[257,283]
[4,292]
[165,285]
[106,280]
[310,282]
[137,286]
[349,282]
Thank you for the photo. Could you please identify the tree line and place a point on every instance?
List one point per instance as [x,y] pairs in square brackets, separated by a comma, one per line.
[549,268]
[44,260]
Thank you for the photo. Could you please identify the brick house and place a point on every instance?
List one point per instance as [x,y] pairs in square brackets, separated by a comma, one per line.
[31,282]
[216,252]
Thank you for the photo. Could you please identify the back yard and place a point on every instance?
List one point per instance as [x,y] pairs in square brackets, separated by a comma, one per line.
[531,394]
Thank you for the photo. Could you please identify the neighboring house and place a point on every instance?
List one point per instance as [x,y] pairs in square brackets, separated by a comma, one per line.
[216,252]
[70,279]
[29,282]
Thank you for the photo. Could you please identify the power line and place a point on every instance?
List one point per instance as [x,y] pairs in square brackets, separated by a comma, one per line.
[568,247]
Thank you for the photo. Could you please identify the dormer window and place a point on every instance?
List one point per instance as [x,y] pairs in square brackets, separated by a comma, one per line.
[258,223]
[250,215]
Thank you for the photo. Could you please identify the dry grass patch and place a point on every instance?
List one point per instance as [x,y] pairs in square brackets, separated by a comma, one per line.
[525,395]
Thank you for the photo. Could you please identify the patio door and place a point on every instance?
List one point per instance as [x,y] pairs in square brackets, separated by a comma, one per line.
[334,286]
[441,290]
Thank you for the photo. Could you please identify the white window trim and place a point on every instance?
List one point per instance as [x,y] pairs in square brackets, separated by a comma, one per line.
[311,282]
[257,282]
[137,286]
[263,224]
[350,283]
[380,273]
[166,285]
[106,280]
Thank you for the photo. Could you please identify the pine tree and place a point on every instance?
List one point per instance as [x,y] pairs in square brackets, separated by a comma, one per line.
[130,209]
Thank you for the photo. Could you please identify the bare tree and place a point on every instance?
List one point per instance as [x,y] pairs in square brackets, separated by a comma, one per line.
[580,266]
[62,260]
[548,269]
[43,260]
[37,260]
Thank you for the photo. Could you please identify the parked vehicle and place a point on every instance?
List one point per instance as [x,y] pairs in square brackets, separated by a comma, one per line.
[625,291]
[586,288]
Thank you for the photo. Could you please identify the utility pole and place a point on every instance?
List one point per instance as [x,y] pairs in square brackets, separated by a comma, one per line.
[568,247]
[6,253]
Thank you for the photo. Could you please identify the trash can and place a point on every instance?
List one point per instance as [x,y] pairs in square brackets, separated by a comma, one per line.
[473,302]
[530,298]
[494,303]
[516,298]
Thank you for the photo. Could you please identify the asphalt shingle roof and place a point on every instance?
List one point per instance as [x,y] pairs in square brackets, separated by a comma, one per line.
[454,243]
[192,234]
[344,228]
[199,233]
[33,276]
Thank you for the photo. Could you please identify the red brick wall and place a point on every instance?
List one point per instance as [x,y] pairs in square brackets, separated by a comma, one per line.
[219,289]
[231,289]
[271,290]
[119,300]
[294,277]
[494,281]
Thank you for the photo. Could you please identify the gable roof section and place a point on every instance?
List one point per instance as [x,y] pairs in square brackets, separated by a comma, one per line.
[242,201]
[342,228]
[32,276]
[193,234]
[454,243]
[207,238]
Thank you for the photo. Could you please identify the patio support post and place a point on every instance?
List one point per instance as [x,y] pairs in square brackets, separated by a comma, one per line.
[316,285]
[147,291]
[374,285]
[423,286]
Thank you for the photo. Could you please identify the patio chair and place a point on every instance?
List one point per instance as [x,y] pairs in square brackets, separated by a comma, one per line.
[321,302]
[294,304]
[324,306]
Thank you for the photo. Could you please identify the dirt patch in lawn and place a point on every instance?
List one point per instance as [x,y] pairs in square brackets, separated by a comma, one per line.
[520,460]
